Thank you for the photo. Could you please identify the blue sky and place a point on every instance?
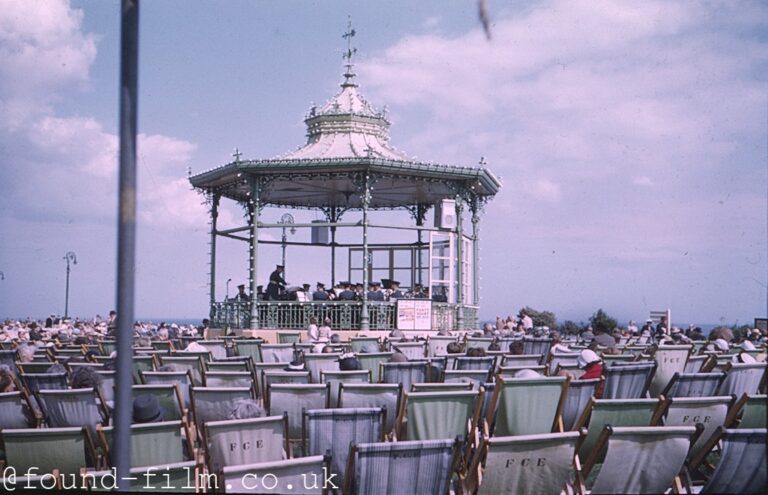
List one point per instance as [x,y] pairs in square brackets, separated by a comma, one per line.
[630,137]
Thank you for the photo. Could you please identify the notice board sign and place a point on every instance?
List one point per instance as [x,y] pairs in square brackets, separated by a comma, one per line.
[414,314]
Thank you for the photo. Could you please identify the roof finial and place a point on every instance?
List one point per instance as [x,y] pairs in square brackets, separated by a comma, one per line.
[349,75]
[237,155]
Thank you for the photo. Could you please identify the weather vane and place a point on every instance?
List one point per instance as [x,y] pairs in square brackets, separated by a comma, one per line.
[237,155]
[348,36]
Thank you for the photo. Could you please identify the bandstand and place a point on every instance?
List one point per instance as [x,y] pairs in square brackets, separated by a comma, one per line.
[348,165]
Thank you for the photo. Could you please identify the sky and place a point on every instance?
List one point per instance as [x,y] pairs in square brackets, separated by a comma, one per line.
[630,138]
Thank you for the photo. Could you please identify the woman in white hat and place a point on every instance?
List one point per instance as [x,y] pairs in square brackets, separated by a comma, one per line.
[593,368]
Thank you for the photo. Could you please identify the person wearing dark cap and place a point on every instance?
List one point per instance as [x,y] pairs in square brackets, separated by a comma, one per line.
[394,291]
[374,292]
[241,294]
[304,294]
[295,366]
[348,362]
[146,409]
[276,284]
[418,292]
[320,294]
[346,293]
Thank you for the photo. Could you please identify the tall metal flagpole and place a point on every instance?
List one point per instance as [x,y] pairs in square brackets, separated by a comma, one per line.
[126,239]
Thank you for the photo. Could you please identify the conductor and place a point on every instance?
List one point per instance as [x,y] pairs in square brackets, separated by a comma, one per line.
[276,284]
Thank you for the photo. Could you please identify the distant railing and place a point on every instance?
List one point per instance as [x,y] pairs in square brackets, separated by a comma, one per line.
[344,315]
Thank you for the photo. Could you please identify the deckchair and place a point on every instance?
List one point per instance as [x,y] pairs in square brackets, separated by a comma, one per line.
[405,373]
[671,359]
[76,407]
[609,359]
[228,379]
[204,356]
[536,345]
[162,345]
[316,363]
[511,371]
[33,368]
[169,397]
[640,459]
[234,365]
[305,475]
[475,377]
[277,353]
[438,344]
[8,357]
[293,399]
[107,387]
[628,381]
[435,415]
[526,406]
[524,464]
[163,478]
[693,384]
[337,377]
[525,360]
[183,363]
[44,381]
[479,342]
[413,350]
[16,411]
[456,386]
[614,412]
[576,400]
[288,337]
[249,347]
[742,378]
[371,361]
[695,363]
[246,441]
[750,411]
[65,449]
[356,344]
[742,464]
[475,363]
[284,378]
[260,368]
[181,378]
[215,403]
[333,430]
[142,363]
[165,442]
[217,348]
[572,369]
[405,468]
[387,395]
[710,412]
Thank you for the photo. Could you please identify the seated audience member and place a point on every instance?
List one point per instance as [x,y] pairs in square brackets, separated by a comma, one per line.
[593,368]
[398,357]
[247,409]
[146,409]
[7,379]
[526,373]
[516,348]
[475,352]
[348,362]
[494,346]
[295,366]
[557,346]
[85,377]
[454,348]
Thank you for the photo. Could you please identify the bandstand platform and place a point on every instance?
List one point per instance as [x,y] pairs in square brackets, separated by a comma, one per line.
[347,169]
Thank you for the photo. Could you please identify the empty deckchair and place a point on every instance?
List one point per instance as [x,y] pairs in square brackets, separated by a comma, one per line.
[710,412]
[405,373]
[525,360]
[693,384]
[750,411]
[479,342]
[742,464]
[337,377]
[245,441]
[215,403]
[75,407]
[577,399]
[277,353]
[742,378]
[283,378]
[356,344]
[694,364]
[475,377]
[405,468]
[165,442]
[315,363]
[536,345]
[335,429]
[413,350]
[524,464]
[183,363]
[434,415]
[228,379]
[294,399]
[65,449]
[526,406]
[305,475]
[474,363]
[628,381]
[260,368]
[230,365]
[386,395]
[142,363]
[442,387]
[371,361]
[249,347]
[671,359]
[614,412]
[640,459]
[162,478]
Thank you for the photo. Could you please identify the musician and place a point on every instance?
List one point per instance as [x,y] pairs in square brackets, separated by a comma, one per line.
[374,292]
[346,293]
[320,294]
[276,284]
[394,291]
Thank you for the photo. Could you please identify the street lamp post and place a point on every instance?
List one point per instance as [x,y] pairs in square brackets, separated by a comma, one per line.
[226,296]
[69,257]
[285,220]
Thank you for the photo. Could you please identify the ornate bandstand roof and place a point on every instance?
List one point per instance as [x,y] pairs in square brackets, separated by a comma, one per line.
[347,138]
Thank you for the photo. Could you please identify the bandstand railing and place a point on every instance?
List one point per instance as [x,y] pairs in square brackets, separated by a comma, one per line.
[344,315]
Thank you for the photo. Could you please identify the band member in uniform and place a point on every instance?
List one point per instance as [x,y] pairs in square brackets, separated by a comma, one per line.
[374,292]
[320,294]
[346,293]
[394,291]
[276,284]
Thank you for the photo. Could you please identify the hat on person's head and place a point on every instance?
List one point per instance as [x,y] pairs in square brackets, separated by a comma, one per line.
[649,320]
[146,409]
[743,357]
[306,286]
[320,284]
[586,357]
[394,282]
[720,344]
[748,346]
[241,286]
[527,373]
[295,366]
[756,331]
[675,330]
[279,266]
[348,362]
